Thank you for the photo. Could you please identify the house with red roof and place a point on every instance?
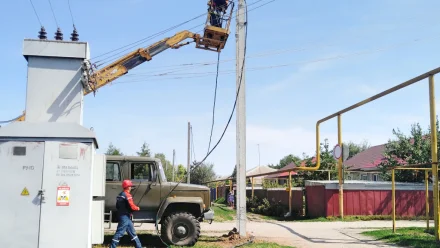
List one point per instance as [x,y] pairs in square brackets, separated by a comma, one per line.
[282,177]
[363,166]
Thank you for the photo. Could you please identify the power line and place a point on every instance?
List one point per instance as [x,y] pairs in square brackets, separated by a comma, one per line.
[53,13]
[12,120]
[35,11]
[135,44]
[71,15]
[185,66]
[215,98]
[342,56]
[151,36]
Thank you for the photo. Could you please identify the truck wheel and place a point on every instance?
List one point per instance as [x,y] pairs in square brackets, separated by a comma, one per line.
[181,229]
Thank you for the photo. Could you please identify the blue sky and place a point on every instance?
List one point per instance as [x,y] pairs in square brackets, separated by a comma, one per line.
[307,60]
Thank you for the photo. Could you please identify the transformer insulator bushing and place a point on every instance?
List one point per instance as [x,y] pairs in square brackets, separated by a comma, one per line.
[74,34]
[42,34]
[59,34]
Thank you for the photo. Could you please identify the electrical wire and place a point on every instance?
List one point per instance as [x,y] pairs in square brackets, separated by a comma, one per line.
[35,11]
[186,66]
[135,44]
[225,72]
[224,131]
[71,15]
[215,98]
[53,13]
[143,40]
[8,121]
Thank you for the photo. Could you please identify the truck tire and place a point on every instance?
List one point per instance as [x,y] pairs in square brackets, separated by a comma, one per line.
[180,229]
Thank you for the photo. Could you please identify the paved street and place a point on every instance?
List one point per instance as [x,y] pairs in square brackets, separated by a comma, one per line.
[306,234]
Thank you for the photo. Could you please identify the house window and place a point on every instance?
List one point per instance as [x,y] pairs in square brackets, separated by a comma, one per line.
[364,177]
[375,177]
[348,177]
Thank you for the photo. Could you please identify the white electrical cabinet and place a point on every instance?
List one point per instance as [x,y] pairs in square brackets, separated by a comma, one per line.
[98,199]
[51,176]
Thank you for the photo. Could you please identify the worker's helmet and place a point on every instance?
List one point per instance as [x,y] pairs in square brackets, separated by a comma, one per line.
[126,184]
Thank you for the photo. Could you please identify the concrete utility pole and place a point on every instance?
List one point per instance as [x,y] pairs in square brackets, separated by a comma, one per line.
[189,153]
[241,119]
[174,157]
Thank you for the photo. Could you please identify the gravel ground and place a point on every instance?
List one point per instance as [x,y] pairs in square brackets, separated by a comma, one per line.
[305,234]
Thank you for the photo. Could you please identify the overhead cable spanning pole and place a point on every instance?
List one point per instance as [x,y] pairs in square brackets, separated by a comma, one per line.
[241,119]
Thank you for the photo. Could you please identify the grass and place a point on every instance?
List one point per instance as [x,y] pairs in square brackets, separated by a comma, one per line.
[223,213]
[150,241]
[416,237]
[345,219]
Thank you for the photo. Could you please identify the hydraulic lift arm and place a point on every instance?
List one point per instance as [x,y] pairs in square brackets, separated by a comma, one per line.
[95,80]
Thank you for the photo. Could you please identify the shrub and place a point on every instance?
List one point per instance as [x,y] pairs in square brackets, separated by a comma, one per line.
[220,200]
[265,207]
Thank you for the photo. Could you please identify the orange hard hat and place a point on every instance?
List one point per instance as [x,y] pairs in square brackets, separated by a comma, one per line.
[126,184]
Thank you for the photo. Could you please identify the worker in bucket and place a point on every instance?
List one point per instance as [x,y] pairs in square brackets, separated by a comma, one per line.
[216,7]
[125,207]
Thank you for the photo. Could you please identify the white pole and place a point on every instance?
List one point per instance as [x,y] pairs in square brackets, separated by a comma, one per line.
[174,168]
[189,149]
[241,120]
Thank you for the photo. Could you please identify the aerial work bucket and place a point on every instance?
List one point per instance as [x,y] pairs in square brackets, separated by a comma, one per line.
[216,31]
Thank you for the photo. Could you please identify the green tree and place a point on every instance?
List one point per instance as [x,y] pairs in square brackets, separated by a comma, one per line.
[112,150]
[145,150]
[357,148]
[285,161]
[327,163]
[180,173]
[202,173]
[412,149]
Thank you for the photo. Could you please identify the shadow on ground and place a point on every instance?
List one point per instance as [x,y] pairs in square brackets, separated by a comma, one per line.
[149,240]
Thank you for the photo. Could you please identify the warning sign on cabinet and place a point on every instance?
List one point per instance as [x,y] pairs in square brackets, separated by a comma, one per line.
[25,192]
[63,196]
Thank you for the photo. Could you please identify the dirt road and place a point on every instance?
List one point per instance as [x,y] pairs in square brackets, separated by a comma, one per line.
[306,234]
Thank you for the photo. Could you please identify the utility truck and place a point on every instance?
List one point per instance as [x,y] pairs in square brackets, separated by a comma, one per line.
[179,212]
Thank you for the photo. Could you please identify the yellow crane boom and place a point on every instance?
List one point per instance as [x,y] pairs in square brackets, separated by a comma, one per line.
[214,39]
[95,80]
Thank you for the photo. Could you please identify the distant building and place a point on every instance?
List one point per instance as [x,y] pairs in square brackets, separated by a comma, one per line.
[363,166]
[258,181]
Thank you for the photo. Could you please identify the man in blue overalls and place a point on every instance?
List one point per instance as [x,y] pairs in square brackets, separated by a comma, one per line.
[216,7]
[125,206]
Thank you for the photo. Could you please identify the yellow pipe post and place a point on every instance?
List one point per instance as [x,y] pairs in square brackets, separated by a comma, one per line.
[427,199]
[434,154]
[252,182]
[393,199]
[341,187]
[290,193]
